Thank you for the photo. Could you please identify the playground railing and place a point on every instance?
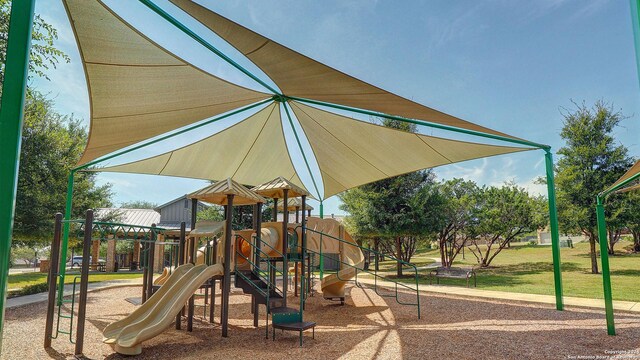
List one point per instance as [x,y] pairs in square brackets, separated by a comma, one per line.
[258,269]
[375,272]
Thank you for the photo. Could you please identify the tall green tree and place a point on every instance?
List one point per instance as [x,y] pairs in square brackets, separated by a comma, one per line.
[632,209]
[138,204]
[591,160]
[500,215]
[44,55]
[452,208]
[51,146]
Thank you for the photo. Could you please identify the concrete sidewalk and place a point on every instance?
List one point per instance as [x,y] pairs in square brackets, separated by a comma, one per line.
[510,296]
[42,297]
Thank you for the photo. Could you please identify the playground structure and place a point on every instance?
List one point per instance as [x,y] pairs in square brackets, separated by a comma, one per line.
[212,252]
[132,57]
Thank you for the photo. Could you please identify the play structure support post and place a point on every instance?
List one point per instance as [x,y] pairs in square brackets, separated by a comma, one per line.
[84,282]
[604,259]
[275,210]
[152,255]
[257,245]
[285,245]
[194,213]
[303,288]
[181,243]
[321,210]
[54,258]
[144,262]
[297,214]
[258,229]
[14,88]
[226,280]
[555,233]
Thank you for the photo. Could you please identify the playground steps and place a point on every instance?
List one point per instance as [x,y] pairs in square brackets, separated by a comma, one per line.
[251,284]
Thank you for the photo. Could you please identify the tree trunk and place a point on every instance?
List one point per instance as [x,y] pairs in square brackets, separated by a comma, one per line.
[636,241]
[594,258]
[613,239]
[399,254]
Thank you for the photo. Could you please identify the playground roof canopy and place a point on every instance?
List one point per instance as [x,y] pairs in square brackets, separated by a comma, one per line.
[217,194]
[139,90]
[275,189]
[294,203]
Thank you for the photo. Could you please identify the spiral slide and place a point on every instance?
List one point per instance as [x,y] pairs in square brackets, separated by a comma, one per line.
[351,257]
[160,310]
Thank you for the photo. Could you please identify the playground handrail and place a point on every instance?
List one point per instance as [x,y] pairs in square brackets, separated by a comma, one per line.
[270,285]
[374,273]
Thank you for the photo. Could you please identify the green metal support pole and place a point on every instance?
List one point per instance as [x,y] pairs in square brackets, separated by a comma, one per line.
[65,236]
[423,123]
[635,23]
[555,233]
[604,258]
[14,89]
[321,210]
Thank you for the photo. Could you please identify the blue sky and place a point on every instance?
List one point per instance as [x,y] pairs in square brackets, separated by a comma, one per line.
[508,65]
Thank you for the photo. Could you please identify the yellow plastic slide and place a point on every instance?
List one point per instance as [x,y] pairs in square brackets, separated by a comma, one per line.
[167,304]
[112,331]
[333,284]
[167,271]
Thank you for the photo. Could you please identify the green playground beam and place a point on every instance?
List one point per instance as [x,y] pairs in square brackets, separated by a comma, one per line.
[635,23]
[14,89]
[422,122]
[293,128]
[158,10]
[554,228]
[604,251]
[604,259]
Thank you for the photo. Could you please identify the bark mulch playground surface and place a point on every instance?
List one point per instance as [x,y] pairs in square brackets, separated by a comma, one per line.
[368,326]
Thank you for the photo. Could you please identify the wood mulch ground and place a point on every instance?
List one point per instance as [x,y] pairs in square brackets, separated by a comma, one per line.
[368,326]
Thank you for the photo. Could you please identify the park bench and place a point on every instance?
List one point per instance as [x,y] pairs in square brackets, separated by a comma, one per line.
[452,273]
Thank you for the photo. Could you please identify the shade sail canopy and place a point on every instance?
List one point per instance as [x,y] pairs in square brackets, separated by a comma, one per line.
[137,89]
[251,152]
[632,172]
[217,194]
[294,203]
[275,189]
[351,152]
[300,76]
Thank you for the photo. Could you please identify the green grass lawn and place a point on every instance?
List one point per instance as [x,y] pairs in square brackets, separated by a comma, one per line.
[529,269]
[18,281]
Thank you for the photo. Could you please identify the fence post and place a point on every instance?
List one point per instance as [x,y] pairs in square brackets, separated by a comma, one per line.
[84,281]
[53,277]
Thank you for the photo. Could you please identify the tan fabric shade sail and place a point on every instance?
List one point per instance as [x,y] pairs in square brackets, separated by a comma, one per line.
[300,76]
[217,194]
[137,89]
[251,152]
[275,189]
[351,152]
[634,170]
